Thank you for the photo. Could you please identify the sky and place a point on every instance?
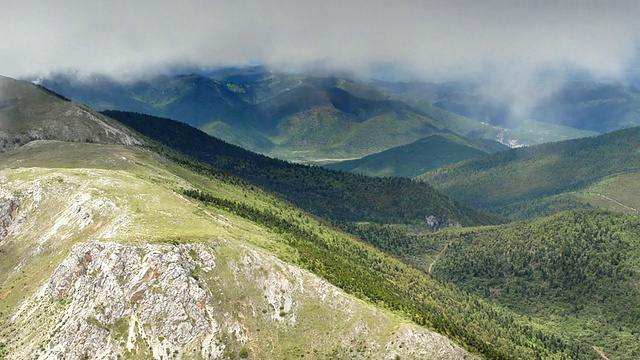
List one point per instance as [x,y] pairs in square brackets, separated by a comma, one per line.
[437,40]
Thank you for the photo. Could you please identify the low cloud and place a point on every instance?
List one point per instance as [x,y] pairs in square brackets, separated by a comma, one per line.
[509,42]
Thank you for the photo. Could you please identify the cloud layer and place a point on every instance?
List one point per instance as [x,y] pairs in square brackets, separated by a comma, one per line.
[435,40]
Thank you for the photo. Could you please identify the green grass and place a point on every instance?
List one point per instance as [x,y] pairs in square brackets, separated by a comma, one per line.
[507,182]
[327,194]
[144,177]
[241,220]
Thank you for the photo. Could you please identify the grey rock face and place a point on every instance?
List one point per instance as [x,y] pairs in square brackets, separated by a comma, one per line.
[145,290]
[8,210]
[437,224]
[205,300]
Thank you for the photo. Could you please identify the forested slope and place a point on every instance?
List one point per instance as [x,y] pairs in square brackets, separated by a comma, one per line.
[506,181]
[416,158]
[328,194]
[579,269]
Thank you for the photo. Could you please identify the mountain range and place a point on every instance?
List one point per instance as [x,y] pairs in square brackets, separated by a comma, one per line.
[136,236]
[320,119]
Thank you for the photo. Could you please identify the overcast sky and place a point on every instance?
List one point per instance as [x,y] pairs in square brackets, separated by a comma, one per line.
[436,40]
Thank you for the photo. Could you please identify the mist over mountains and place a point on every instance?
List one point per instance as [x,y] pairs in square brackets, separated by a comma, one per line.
[319,179]
[521,52]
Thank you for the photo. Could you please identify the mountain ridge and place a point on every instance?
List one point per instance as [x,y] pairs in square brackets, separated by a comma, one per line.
[94,233]
[539,172]
[28,112]
[418,157]
[310,187]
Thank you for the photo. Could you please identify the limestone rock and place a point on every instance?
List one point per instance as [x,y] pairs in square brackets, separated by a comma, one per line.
[8,211]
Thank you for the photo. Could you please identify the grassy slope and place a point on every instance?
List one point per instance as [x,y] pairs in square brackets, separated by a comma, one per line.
[616,192]
[577,269]
[416,158]
[328,194]
[537,173]
[29,112]
[142,183]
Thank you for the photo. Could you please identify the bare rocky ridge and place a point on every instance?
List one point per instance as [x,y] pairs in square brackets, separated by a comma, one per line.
[8,210]
[168,301]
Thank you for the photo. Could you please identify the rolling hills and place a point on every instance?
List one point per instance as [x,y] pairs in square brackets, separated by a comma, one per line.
[325,193]
[131,251]
[547,178]
[309,118]
[102,257]
[320,122]
[414,159]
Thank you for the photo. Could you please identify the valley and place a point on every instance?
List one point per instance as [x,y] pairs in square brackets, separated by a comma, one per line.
[136,236]
[309,118]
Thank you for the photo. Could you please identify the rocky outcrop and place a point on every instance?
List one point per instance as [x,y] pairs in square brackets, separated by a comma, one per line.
[8,211]
[437,224]
[150,287]
[106,264]
[212,301]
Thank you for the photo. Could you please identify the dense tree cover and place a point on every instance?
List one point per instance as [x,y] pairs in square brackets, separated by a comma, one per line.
[325,193]
[417,249]
[499,180]
[539,207]
[420,156]
[580,268]
[370,274]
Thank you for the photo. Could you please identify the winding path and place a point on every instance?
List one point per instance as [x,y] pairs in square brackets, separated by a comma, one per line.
[599,351]
[437,257]
[617,202]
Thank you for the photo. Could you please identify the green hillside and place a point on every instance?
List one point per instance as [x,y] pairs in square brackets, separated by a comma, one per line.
[536,177]
[319,123]
[29,112]
[136,209]
[303,118]
[191,98]
[139,252]
[322,118]
[325,193]
[414,159]
[103,254]
[576,269]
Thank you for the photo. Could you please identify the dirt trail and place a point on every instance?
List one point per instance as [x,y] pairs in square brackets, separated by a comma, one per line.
[437,257]
[617,202]
[599,351]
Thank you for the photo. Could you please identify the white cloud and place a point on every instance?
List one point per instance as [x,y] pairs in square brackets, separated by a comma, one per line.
[439,39]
